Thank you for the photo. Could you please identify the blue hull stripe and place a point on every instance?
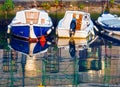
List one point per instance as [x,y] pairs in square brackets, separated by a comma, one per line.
[111,28]
[39,31]
[24,46]
[22,31]
[39,48]
[20,45]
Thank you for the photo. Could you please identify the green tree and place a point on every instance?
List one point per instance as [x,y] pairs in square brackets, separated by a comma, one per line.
[81,6]
[45,5]
[119,6]
[7,7]
[56,1]
[112,3]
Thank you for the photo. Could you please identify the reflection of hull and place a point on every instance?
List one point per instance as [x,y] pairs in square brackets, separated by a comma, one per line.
[90,59]
[27,47]
[90,64]
[72,45]
[65,42]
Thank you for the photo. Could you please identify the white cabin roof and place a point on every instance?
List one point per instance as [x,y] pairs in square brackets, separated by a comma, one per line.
[77,12]
[33,16]
[65,22]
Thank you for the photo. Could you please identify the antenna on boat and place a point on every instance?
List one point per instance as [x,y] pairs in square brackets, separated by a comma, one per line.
[107,6]
[34,3]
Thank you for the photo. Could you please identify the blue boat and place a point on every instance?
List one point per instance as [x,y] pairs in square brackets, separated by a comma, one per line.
[29,48]
[109,23]
[30,24]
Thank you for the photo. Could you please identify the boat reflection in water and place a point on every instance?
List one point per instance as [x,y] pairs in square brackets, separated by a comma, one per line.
[72,44]
[29,51]
[91,64]
[29,48]
[86,56]
[90,59]
[70,62]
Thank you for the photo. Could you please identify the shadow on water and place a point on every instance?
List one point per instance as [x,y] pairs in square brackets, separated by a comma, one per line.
[3,34]
[3,24]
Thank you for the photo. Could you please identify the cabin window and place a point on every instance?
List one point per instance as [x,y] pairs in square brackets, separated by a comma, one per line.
[32,17]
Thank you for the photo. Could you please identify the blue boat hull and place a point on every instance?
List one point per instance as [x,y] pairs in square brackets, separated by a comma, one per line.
[40,31]
[24,31]
[24,46]
[111,28]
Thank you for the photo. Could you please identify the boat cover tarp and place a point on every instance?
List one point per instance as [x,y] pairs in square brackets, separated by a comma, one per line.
[112,22]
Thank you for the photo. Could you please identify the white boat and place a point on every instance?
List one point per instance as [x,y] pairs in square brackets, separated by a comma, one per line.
[30,24]
[109,23]
[83,25]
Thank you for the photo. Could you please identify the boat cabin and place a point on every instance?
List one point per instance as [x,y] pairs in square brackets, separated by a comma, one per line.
[32,16]
[82,20]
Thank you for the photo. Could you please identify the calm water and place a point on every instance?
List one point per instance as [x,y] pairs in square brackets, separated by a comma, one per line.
[59,62]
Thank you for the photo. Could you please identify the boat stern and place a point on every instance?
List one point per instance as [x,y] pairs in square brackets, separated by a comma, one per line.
[80,34]
[64,33]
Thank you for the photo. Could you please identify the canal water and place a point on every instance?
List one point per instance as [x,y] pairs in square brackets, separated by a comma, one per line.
[59,62]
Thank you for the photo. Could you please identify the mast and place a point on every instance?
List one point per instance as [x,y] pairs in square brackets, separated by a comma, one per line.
[107,6]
